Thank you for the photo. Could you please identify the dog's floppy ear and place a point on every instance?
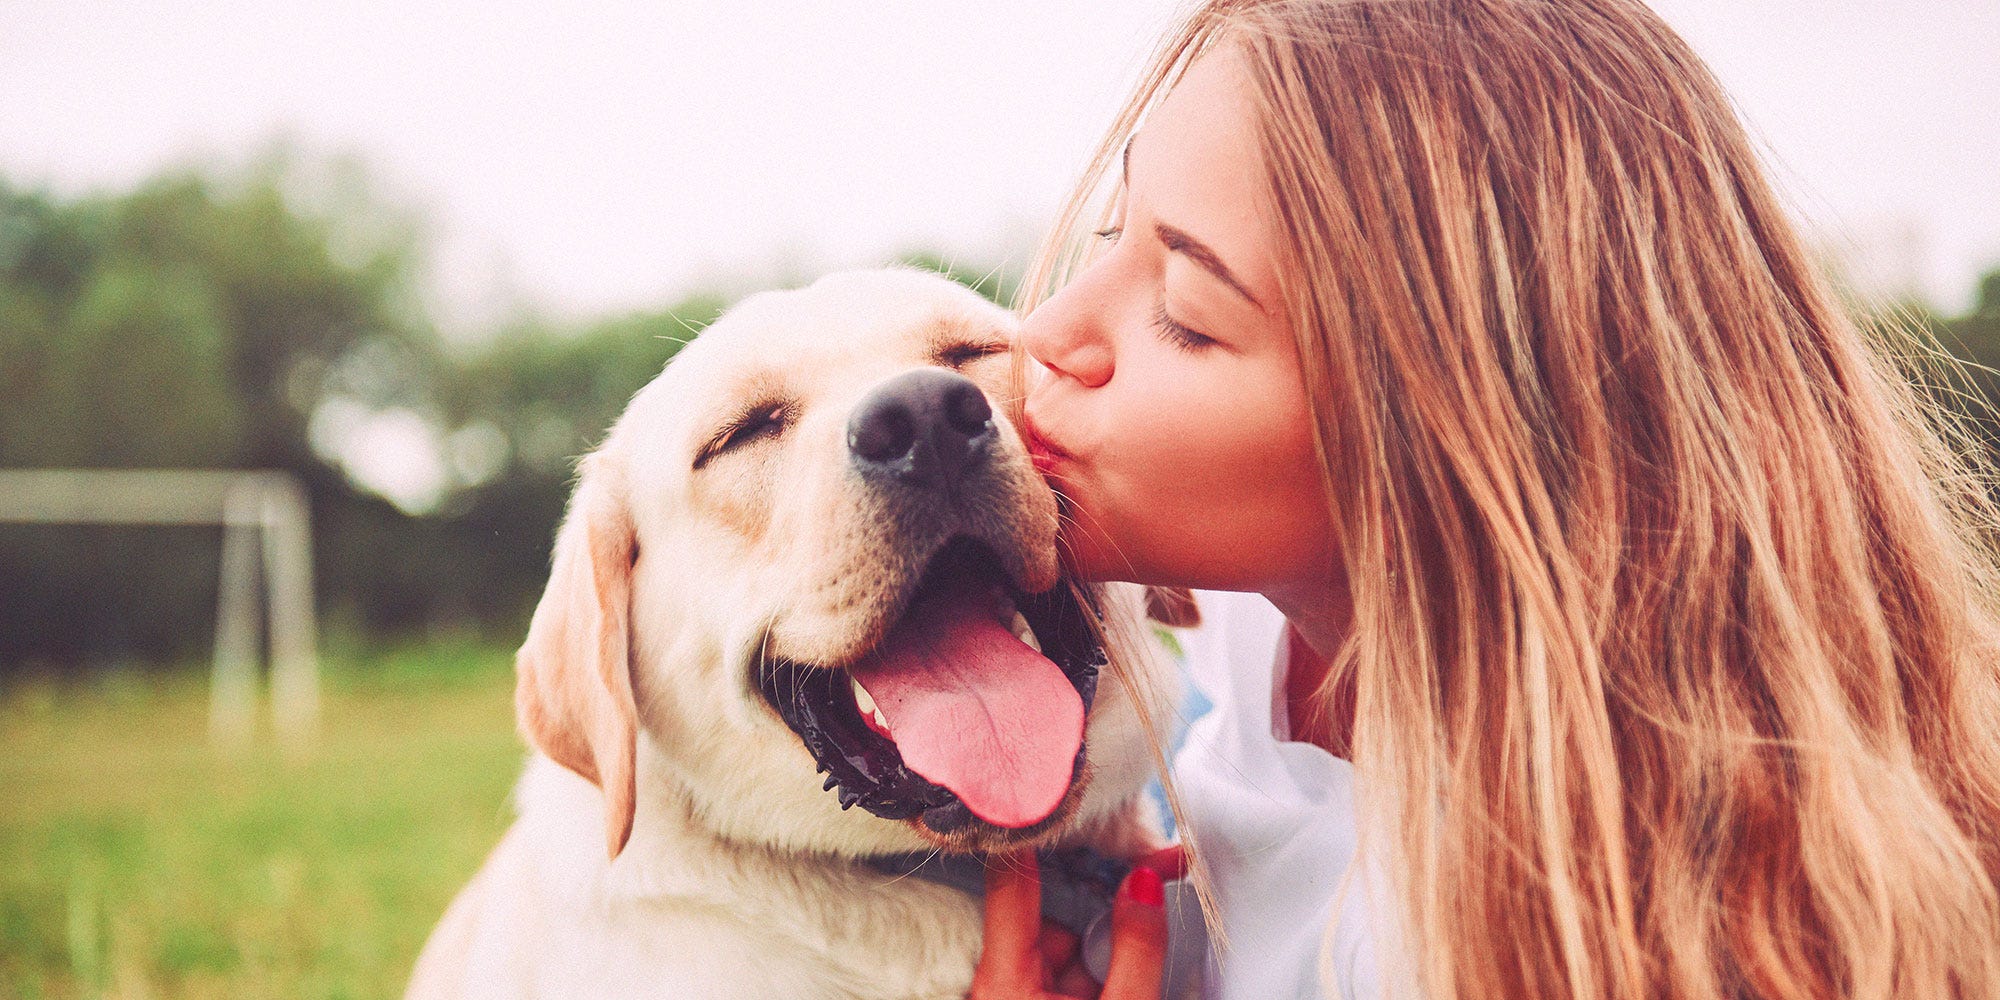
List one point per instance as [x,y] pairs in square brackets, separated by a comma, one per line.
[1172,607]
[573,693]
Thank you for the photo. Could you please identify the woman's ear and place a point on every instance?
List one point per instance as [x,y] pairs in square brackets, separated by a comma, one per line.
[1172,606]
[573,694]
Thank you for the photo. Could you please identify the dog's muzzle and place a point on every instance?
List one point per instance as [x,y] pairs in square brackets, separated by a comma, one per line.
[852,718]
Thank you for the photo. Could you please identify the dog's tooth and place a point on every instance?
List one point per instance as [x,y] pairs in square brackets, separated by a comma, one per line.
[1025,633]
[863,700]
[880,719]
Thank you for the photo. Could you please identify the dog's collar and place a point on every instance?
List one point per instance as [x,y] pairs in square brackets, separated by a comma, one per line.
[1077,884]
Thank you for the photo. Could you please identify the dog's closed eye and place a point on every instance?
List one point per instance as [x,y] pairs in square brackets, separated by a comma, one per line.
[961,353]
[764,421]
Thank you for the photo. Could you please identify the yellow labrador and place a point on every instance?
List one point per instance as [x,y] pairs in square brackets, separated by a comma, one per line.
[805,611]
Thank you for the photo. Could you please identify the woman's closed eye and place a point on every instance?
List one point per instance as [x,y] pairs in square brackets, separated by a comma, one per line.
[1177,333]
[1171,330]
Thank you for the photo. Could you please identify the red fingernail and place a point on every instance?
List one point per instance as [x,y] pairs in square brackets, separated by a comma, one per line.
[1144,887]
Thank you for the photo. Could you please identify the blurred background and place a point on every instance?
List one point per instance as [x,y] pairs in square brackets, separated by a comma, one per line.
[418,256]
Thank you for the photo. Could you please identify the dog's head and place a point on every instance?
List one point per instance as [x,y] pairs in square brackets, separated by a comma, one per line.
[813,567]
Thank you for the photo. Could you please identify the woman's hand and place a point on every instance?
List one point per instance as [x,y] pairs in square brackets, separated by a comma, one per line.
[1025,959]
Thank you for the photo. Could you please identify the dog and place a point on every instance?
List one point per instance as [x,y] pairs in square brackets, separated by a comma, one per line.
[805,610]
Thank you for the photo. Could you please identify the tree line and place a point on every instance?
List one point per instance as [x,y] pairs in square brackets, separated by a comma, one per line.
[197,322]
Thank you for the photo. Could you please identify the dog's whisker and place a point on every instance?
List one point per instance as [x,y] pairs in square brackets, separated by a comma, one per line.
[1013,864]
[1102,535]
[990,274]
[693,331]
[935,851]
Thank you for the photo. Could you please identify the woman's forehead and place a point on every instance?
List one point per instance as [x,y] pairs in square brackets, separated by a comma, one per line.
[1196,166]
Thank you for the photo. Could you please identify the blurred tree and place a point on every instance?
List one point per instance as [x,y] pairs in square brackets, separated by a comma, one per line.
[179,325]
[522,408]
[270,320]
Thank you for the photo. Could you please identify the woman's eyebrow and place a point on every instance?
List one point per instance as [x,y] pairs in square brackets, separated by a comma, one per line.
[1178,241]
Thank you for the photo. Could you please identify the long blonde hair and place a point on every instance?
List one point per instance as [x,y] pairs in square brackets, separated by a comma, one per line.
[1676,620]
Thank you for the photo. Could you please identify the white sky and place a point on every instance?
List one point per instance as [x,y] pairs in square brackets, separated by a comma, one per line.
[599,156]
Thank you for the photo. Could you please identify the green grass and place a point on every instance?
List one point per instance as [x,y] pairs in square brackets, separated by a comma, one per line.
[137,861]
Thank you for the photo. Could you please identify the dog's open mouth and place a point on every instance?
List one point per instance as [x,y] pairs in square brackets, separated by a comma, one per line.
[971,708]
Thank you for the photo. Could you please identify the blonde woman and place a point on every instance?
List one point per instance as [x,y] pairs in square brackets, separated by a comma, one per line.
[1652,605]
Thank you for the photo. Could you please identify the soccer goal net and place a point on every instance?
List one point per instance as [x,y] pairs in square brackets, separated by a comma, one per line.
[260,513]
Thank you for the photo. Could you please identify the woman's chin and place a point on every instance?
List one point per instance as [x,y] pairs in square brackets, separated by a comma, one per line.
[1092,553]
[1095,560]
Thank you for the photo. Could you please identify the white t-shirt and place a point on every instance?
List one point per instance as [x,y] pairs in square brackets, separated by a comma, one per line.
[1275,820]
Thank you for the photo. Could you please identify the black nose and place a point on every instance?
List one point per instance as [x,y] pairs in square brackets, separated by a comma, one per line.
[924,427]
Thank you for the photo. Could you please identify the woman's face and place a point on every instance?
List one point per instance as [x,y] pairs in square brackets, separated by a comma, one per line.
[1172,414]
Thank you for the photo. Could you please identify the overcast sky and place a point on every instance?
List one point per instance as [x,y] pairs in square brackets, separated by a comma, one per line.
[601,156]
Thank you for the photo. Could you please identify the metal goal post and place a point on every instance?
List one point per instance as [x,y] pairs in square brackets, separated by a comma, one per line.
[258,511]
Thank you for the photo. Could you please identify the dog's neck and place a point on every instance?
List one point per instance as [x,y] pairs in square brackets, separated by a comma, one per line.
[674,855]
[829,912]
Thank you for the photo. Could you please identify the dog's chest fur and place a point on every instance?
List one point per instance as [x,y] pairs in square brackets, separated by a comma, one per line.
[681,914]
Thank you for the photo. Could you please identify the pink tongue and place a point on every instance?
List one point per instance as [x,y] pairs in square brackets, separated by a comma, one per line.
[976,710]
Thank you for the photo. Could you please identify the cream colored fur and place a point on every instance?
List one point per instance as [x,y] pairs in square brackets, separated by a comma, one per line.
[730,872]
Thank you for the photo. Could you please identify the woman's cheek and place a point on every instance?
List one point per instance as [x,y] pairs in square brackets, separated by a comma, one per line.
[1170,478]
[1123,494]
[1247,475]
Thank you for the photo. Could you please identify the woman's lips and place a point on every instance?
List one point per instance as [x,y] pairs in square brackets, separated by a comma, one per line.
[1044,453]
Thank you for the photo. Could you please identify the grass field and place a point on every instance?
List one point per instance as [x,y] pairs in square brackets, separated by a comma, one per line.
[135,861]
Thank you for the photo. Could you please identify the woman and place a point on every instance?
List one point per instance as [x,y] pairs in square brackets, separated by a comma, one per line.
[1653,606]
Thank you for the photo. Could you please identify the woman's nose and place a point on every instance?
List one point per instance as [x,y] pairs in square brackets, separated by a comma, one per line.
[1066,334]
